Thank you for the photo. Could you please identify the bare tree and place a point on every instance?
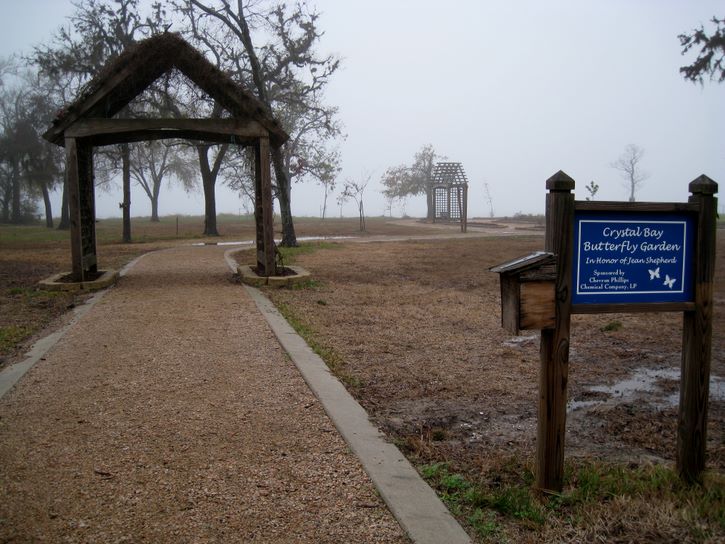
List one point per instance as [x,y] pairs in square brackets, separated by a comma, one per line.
[98,31]
[629,167]
[389,206]
[11,193]
[489,199]
[153,162]
[286,73]
[355,190]
[29,166]
[325,171]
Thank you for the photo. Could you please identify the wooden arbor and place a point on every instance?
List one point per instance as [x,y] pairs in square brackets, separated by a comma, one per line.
[450,193]
[89,121]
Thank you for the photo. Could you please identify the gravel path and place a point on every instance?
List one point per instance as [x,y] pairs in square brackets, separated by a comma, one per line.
[169,413]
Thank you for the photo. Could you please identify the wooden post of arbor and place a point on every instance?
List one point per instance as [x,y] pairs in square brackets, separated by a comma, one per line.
[554,350]
[463,206]
[81,203]
[697,339]
[263,209]
[126,204]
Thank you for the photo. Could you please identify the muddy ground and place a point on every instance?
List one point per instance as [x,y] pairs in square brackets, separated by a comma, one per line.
[417,325]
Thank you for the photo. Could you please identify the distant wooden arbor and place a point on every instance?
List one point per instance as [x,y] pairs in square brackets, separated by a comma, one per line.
[450,193]
[89,122]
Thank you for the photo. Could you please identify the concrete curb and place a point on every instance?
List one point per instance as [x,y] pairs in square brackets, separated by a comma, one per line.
[249,277]
[54,283]
[413,503]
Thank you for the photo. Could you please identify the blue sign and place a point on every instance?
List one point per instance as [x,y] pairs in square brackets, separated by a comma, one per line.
[624,257]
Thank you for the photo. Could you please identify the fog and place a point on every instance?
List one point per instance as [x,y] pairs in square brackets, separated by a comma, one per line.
[513,91]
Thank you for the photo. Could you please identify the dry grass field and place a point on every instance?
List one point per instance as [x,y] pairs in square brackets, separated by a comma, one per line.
[29,254]
[413,328]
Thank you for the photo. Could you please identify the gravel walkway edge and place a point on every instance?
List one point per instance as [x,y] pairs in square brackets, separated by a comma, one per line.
[412,501]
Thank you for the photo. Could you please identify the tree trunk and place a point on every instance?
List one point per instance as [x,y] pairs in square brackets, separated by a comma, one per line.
[64,223]
[208,179]
[209,195]
[48,208]
[429,202]
[155,190]
[15,211]
[324,204]
[5,218]
[284,196]
[126,204]
[155,209]
[155,203]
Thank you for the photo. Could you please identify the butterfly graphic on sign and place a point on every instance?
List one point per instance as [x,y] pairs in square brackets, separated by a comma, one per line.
[669,282]
[654,273]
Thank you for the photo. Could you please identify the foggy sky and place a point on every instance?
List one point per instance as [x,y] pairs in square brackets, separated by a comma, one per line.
[513,90]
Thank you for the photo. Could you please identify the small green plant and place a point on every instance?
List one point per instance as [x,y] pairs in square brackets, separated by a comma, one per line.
[11,335]
[485,524]
[303,285]
[515,501]
[504,497]
[453,483]
[434,470]
[612,326]
[33,294]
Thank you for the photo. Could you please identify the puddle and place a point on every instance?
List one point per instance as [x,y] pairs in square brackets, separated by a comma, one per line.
[643,385]
[312,238]
[243,243]
[251,242]
[518,341]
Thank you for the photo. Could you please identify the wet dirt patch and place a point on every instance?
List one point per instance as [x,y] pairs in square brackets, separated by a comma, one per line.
[418,327]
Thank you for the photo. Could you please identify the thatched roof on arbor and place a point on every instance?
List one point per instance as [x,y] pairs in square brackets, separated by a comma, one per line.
[129,74]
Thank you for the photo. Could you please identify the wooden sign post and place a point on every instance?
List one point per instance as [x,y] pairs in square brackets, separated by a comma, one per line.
[697,338]
[554,349]
[623,257]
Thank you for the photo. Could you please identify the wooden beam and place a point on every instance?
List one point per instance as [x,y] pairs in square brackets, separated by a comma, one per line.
[234,98]
[112,131]
[697,339]
[554,349]
[606,206]
[136,75]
